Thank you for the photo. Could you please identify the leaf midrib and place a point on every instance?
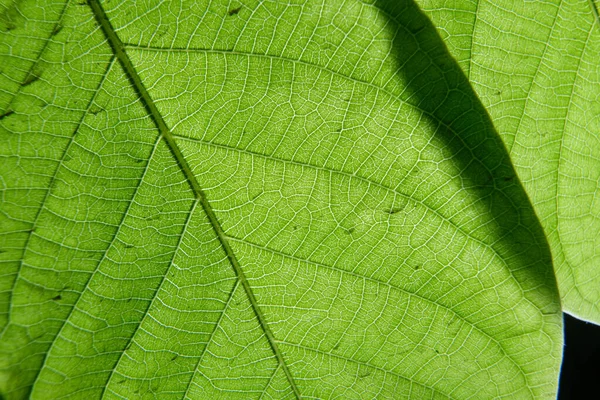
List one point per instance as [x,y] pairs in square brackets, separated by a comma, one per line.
[148,103]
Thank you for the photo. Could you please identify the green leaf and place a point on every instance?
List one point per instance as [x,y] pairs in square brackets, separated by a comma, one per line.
[259,200]
[535,68]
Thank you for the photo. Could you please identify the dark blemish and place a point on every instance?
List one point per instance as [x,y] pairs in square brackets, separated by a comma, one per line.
[234,11]
[68,158]
[337,346]
[139,161]
[10,26]
[437,351]
[508,178]
[129,300]
[548,313]
[394,210]
[30,79]
[364,374]
[349,231]
[417,29]
[417,267]
[163,30]
[6,114]
[174,357]
[255,196]
[121,381]
[57,297]
[295,227]
[128,246]
[56,30]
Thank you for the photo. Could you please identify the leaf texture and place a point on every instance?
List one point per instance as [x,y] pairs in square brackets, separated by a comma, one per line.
[259,200]
[535,68]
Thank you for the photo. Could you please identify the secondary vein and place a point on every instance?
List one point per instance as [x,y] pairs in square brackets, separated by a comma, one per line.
[130,71]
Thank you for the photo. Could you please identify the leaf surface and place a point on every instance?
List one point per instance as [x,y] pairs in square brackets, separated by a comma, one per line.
[258,200]
[535,67]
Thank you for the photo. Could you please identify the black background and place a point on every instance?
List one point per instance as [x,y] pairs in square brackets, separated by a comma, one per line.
[580,373]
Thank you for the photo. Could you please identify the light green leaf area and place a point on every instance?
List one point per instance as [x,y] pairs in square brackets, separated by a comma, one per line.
[535,67]
[259,200]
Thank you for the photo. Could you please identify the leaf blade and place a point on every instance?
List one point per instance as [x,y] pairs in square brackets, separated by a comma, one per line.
[539,82]
[412,235]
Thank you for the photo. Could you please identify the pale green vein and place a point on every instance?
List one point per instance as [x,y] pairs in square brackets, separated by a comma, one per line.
[595,12]
[65,322]
[210,339]
[361,178]
[39,58]
[154,297]
[560,159]
[269,383]
[472,42]
[48,191]
[367,364]
[533,81]
[436,302]
[60,162]
[119,49]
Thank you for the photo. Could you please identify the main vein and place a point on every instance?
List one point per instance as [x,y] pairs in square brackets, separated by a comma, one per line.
[119,49]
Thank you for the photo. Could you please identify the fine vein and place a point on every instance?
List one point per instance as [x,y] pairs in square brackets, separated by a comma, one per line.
[119,50]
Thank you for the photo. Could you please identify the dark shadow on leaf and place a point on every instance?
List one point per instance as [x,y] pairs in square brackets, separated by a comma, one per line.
[438,87]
